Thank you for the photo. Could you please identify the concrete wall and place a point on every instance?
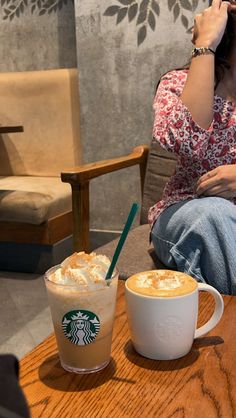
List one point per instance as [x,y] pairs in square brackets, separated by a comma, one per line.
[34,39]
[123,46]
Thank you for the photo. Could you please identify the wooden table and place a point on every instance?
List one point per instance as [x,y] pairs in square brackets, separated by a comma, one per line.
[11,129]
[201,384]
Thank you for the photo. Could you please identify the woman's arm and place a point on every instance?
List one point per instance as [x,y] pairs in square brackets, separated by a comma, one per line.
[174,127]
[198,93]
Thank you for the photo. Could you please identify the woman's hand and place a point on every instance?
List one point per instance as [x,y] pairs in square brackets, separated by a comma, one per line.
[209,26]
[219,182]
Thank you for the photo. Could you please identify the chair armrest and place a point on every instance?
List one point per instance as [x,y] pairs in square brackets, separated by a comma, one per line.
[79,179]
[11,129]
[86,172]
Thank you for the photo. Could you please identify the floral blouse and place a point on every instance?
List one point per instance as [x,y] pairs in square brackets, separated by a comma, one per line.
[198,150]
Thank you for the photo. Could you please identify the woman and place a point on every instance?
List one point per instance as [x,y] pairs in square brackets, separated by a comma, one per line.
[194,225]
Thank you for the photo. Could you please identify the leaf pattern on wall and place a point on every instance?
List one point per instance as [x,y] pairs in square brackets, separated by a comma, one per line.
[146,13]
[15,8]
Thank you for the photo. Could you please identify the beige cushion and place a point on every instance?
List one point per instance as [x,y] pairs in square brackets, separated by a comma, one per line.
[46,103]
[33,199]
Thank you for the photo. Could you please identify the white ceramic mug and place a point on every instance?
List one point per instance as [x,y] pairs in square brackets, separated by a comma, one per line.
[163,328]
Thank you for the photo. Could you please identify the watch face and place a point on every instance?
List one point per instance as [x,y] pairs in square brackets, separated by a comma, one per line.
[196,51]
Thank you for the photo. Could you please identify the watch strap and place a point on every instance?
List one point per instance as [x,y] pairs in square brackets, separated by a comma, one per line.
[202,50]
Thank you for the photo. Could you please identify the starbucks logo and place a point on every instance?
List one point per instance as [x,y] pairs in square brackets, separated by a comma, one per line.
[171,327]
[80,327]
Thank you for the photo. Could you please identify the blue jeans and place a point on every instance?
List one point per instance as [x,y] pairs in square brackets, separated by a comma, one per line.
[198,237]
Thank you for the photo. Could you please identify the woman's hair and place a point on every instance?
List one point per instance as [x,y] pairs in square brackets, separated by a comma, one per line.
[223,51]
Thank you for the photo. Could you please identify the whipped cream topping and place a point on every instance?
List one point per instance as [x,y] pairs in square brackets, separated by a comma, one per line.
[82,269]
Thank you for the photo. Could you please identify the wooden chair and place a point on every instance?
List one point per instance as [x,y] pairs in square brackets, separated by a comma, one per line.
[35,206]
[156,166]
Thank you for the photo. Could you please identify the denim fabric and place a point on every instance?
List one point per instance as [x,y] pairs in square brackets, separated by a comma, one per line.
[198,237]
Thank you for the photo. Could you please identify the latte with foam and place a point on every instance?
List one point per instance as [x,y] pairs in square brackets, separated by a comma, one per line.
[162,283]
[162,312]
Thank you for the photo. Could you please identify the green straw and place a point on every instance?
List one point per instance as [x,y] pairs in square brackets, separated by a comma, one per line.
[122,239]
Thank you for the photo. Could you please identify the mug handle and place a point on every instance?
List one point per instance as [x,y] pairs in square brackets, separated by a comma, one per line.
[217,314]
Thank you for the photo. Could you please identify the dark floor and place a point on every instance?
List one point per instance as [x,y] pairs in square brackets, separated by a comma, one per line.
[24,312]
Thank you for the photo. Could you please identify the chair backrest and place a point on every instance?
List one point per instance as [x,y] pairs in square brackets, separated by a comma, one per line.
[160,166]
[46,103]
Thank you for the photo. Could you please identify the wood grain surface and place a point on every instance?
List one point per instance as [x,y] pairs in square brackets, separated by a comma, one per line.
[201,384]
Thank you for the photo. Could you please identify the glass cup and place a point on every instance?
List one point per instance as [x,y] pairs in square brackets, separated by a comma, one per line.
[83,322]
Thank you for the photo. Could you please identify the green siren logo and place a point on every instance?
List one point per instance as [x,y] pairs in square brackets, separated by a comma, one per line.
[80,327]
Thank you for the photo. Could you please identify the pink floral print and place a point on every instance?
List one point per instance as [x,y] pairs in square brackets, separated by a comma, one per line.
[198,150]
